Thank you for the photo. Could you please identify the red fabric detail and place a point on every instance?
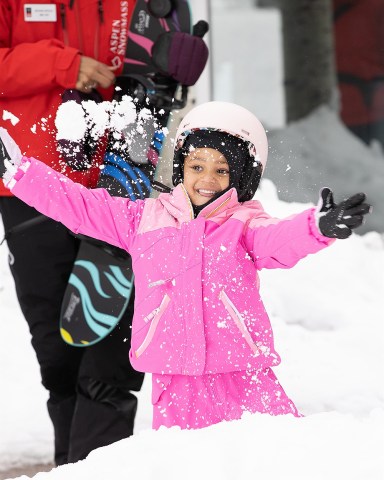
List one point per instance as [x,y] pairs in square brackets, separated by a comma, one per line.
[36,66]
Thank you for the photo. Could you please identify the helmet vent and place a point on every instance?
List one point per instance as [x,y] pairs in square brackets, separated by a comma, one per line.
[245,131]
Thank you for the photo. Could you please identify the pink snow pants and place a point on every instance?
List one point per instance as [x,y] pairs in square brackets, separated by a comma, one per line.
[196,402]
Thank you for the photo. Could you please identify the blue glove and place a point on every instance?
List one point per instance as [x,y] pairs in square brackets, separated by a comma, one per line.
[338,220]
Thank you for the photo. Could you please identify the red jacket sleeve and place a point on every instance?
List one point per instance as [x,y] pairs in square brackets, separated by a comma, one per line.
[30,68]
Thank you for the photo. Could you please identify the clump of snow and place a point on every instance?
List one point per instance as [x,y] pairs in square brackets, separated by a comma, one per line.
[128,128]
[76,128]
[94,119]
[9,116]
[123,113]
[97,116]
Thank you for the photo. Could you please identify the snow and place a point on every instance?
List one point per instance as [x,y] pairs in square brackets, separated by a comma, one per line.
[115,116]
[328,323]
[319,151]
[75,129]
[327,318]
[9,116]
[256,447]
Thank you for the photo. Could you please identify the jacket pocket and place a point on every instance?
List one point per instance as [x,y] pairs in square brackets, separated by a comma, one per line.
[154,318]
[239,321]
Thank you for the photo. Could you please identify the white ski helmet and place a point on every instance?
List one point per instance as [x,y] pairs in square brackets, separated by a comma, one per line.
[234,120]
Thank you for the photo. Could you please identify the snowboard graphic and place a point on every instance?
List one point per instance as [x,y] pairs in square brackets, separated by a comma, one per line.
[98,291]
[101,281]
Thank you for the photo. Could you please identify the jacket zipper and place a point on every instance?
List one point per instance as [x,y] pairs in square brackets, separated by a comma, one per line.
[64,24]
[217,208]
[79,28]
[154,318]
[100,13]
[189,202]
[210,213]
[239,321]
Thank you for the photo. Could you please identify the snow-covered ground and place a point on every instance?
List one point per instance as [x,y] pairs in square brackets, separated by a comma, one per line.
[327,315]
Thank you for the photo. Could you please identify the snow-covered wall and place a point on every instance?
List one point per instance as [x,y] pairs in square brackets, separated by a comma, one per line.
[304,156]
[319,151]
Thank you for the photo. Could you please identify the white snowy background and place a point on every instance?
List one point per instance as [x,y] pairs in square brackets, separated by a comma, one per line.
[327,315]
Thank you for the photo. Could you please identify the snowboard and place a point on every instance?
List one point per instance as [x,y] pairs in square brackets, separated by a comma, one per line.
[101,282]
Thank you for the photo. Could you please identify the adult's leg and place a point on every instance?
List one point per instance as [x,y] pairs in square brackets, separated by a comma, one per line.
[41,259]
[106,407]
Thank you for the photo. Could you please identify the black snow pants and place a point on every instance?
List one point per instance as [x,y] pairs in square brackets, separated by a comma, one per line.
[90,403]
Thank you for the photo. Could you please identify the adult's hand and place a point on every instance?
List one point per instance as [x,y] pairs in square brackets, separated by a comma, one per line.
[93,74]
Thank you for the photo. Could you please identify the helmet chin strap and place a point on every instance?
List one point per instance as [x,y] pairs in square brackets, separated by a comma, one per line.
[244,192]
[198,208]
[160,187]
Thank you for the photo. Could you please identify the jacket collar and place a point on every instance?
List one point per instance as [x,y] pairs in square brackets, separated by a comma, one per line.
[180,206]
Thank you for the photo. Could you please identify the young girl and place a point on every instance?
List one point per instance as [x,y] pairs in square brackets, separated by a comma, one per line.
[200,326]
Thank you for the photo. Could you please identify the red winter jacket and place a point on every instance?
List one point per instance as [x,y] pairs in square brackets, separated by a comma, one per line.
[39,60]
[359,42]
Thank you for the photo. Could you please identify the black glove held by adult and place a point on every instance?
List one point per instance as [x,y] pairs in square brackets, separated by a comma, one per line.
[181,55]
[338,220]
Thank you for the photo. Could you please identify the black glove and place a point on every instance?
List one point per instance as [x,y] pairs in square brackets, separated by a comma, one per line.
[10,155]
[181,55]
[338,220]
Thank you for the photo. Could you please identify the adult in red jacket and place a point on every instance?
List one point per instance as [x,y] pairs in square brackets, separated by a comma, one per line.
[359,43]
[47,47]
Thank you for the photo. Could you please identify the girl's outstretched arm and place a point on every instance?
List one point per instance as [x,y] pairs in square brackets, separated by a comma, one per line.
[275,243]
[338,220]
[91,212]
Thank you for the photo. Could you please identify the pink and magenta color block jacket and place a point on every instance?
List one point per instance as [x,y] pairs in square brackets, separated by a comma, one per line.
[197,303]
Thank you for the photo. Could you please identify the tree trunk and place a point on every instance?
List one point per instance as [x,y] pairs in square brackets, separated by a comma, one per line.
[309,65]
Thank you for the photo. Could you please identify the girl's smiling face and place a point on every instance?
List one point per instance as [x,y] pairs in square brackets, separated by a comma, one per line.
[206,173]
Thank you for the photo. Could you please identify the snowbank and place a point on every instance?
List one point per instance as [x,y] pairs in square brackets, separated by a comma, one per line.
[324,446]
[319,151]
[327,318]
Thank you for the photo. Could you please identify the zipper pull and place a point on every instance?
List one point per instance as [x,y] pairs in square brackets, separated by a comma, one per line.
[62,15]
[101,11]
[161,282]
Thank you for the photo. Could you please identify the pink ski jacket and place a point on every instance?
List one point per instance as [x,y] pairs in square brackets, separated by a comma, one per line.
[197,304]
